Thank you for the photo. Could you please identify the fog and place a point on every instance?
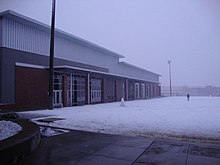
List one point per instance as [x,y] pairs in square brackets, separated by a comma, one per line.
[147,32]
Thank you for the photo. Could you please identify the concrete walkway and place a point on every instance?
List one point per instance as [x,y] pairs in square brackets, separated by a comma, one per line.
[86,148]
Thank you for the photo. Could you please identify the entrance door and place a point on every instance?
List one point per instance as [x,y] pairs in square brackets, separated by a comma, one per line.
[57,92]
[76,90]
[96,90]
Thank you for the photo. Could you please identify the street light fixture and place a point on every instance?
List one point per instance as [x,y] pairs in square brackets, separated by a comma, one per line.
[169,63]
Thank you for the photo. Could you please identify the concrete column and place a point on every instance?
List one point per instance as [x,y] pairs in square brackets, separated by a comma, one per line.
[64,93]
[103,91]
[71,89]
[126,86]
[88,88]
[116,91]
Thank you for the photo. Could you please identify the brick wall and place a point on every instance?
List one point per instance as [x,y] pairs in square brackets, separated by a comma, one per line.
[31,89]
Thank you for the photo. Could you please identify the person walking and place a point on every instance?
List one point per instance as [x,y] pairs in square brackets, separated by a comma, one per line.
[188,96]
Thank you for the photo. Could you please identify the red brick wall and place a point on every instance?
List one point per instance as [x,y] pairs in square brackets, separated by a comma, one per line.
[65,88]
[31,88]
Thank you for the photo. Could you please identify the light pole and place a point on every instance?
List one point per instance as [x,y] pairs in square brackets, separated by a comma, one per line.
[50,98]
[169,63]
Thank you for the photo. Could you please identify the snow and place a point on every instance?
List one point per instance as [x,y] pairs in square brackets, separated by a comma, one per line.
[48,131]
[8,129]
[174,116]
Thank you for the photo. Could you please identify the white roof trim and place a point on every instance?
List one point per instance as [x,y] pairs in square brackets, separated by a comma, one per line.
[30,65]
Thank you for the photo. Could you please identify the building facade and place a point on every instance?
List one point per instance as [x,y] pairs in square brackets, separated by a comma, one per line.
[84,73]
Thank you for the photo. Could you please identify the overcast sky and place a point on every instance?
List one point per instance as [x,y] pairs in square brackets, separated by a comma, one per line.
[147,32]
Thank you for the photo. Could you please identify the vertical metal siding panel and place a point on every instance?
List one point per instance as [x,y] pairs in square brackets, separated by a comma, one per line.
[8,34]
[5,32]
[19,34]
[82,52]
[44,48]
[40,40]
[26,43]
[11,28]
[15,38]
[22,40]
[25,38]
[32,39]
[28,38]
[76,52]
[12,32]
[19,38]
[36,38]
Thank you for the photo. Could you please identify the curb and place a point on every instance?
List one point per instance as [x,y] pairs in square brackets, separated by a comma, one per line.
[18,146]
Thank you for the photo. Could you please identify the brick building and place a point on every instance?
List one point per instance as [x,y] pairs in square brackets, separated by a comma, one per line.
[84,73]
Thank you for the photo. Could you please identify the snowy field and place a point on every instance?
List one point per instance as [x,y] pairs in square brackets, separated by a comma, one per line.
[199,117]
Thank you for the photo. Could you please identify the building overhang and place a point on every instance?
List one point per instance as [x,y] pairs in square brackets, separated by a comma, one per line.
[99,72]
[70,69]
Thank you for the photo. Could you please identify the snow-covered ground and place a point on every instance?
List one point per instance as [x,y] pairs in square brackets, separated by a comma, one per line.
[174,116]
[8,129]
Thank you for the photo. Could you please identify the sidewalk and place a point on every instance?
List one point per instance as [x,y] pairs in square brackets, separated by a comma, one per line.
[86,148]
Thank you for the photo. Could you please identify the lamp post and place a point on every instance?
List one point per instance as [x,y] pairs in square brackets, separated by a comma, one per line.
[169,63]
[51,56]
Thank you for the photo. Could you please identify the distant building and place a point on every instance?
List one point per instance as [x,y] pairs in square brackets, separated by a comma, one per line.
[193,91]
[85,73]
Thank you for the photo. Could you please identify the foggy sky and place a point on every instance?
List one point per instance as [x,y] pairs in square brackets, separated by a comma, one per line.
[147,32]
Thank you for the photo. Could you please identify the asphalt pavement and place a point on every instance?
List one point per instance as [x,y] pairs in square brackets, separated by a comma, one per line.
[87,148]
